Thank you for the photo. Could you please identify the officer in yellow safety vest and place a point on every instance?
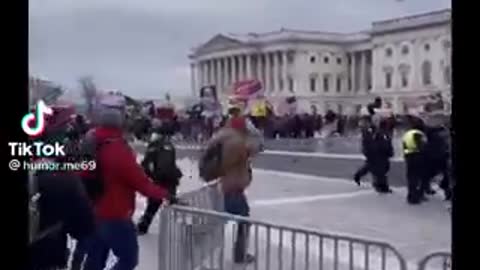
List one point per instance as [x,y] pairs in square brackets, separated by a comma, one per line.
[414,141]
[258,113]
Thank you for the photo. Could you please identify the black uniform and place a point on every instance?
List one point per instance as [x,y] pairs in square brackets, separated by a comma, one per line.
[437,159]
[381,151]
[159,164]
[367,141]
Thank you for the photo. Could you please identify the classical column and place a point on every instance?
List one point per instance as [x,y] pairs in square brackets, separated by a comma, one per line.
[223,83]
[192,78]
[198,76]
[268,80]
[218,77]
[207,71]
[241,67]
[228,71]
[212,71]
[285,70]
[415,74]
[204,73]
[259,68]
[275,77]
[363,68]
[353,71]
[234,70]
[249,66]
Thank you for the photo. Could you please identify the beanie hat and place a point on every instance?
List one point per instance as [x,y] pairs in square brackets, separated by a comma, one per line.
[110,111]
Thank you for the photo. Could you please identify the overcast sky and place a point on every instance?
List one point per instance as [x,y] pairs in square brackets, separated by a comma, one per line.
[140,46]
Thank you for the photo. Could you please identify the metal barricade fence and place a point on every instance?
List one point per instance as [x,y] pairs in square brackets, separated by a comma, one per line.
[203,239]
[208,197]
[437,260]
[333,145]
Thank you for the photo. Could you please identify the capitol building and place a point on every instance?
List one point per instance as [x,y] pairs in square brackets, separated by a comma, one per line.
[400,60]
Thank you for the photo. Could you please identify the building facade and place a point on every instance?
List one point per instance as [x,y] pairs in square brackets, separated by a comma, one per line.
[399,60]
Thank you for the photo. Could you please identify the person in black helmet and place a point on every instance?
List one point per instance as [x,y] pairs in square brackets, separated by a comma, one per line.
[159,164]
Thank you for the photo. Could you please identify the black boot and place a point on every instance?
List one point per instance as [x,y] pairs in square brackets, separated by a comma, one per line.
[142,229]
[356,179]
[413,199]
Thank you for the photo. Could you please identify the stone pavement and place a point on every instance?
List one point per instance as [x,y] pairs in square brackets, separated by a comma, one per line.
[330,205]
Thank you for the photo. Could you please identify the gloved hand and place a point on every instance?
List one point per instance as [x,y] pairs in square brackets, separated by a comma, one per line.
[175,200]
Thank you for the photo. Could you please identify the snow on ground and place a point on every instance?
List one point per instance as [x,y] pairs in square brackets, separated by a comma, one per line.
[328,205]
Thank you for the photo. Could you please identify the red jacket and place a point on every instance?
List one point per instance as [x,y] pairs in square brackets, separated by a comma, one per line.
[122,178]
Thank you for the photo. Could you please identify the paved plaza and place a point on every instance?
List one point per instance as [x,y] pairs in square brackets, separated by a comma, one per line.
[330,205]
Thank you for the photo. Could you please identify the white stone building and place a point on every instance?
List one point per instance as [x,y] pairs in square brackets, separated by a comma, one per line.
[399,60]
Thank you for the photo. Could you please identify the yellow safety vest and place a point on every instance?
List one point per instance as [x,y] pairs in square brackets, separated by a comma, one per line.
[259,109]
[409,144]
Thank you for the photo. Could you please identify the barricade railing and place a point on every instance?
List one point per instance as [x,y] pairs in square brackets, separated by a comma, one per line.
[335,145]
[192,238]
[437,260]
[208,197]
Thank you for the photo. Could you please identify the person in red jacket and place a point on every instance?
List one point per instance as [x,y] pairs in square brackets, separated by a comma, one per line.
[122,178]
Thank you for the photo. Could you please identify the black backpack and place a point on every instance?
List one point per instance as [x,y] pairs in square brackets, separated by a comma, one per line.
[162,156]
[92,180]
[210,163]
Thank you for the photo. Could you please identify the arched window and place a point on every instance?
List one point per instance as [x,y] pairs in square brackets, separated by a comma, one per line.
[404,74]
[290,85]
[388,79]
[389,52]
[326,84]
[388,71]
[405,50]
[339,84]
[313,82]
[427,72]
[447,74]
[447,44]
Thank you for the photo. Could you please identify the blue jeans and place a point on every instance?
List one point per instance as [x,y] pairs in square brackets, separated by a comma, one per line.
[120,236]
[237,204]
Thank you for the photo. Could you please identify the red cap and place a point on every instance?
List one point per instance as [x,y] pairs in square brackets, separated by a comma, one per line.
[238,123]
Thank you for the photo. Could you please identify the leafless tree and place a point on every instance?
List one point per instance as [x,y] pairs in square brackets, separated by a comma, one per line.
[89,91]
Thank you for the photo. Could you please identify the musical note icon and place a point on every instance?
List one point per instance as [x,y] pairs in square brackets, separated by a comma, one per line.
[41,110]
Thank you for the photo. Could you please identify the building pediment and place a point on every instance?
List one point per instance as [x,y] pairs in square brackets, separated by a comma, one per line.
[217,43]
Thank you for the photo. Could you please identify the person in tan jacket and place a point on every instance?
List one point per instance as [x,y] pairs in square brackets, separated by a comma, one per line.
[237,147]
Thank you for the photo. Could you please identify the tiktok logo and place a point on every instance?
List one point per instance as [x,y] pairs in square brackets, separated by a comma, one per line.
[39,116]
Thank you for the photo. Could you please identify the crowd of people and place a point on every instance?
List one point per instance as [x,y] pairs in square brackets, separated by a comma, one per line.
[426,150]
[96,207]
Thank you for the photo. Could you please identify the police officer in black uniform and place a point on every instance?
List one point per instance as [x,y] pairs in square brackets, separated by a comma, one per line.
[159,164]
[368,131]
[437,157]
[381,150]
